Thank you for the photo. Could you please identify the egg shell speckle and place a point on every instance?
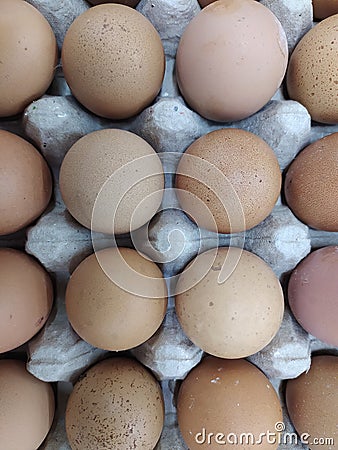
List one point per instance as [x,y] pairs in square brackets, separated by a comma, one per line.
[117,404]
[312,76]
[311,184]
[113,60]
[235,318]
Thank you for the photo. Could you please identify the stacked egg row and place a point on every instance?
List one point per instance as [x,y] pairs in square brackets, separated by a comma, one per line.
[228,300]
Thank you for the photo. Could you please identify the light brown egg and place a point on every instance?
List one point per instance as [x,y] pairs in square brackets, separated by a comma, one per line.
[230,176]
[311,184]
[312,77]
[26,298]
[312,401]
[313,293]
[233,316]
[25,183]
[231,59]
[221,399]
[27,407]
[116,299]
[131,3]
[117,404]
[324,8]
[111,181]
[28,56]
[113,61]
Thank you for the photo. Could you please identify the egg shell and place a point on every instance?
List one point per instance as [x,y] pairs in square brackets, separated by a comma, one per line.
[113,61]
[26,298]
[228,397]
[28,56]
[324,8]
[25,183]
[131,3]
[234,174]
[311,184]
[313,293]
[312,401]
[111,181]
[117,404]
[105,313]
[27,407]
[234,318]
[231,59]
[312,76]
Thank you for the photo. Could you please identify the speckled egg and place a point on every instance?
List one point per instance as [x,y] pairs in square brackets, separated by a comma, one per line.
[228,404]
[312,76]
[28,56]
[312,401]
[25,183]
[26,298]
[230,316]
[111,181]
[324,8]
[27,407]
[311,184]
[228,180]
[113,60]
[117,404]
[116,299]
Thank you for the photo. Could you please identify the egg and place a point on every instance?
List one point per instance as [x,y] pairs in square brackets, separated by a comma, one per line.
[112,181]
[230,316]
[231,59]
[117,404]
[25,183]
[27,407]
[313,293]
[28,56]
[116,299]
[312,77]
[228,180]
[311,184]
[113,61]
[204,3]
[312,401]
[26,298]
[228,403]
[131,3]
[324,8]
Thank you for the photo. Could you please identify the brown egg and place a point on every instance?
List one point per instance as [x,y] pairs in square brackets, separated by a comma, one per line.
[311,184]
[27,407]
[221,399]
[204,3]
[111,181]
[113,61]
[229,176]
[117,404]
[312,401]
[234,66]
[312,77]
[313,293]
[101,308]
[28,56]
[131,3]
[25,183]
[324,8]
[233,316]
[26,298]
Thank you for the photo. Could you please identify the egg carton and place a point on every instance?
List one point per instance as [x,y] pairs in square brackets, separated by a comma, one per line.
[56,121]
